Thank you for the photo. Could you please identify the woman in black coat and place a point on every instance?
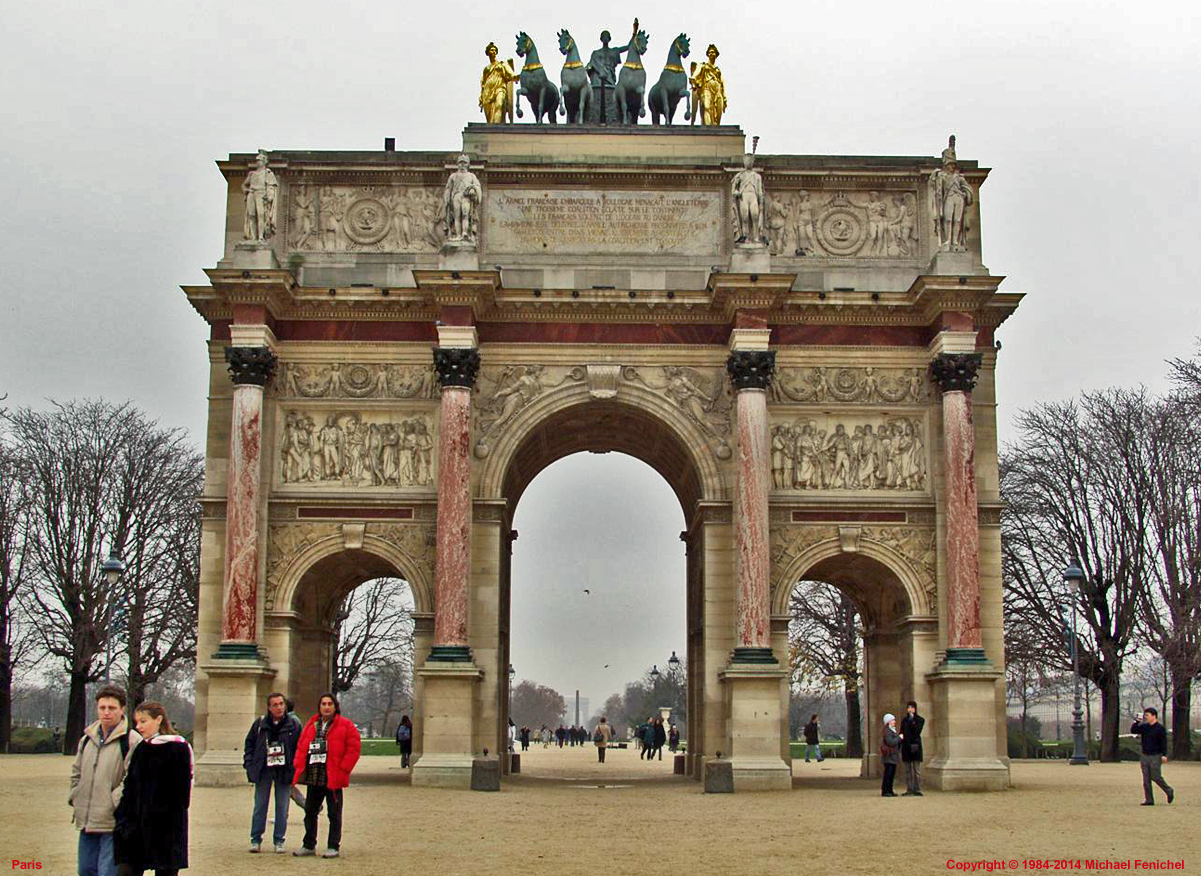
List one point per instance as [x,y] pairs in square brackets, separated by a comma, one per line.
[152,817]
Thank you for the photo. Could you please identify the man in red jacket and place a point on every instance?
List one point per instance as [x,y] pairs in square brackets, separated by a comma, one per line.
[328,749]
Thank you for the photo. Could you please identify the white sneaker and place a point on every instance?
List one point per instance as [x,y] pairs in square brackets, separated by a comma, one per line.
[279,848]
[303,852]
[330,853]
[255,848]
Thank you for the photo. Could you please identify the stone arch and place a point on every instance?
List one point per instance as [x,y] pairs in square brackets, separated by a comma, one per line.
[670,443]
[377,557]
[918,601]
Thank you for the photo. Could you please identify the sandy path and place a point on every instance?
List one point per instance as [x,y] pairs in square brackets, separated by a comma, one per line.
[645,818]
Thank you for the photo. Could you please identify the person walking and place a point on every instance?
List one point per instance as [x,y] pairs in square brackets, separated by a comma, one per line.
[404,740]
[525,738]
[267,756]
[648,739]
[1154,754]
[911,749]
[512,736]
[96,777]
[660,737]
[673,738]
[889,754]
[813,743]
[152,818]
[545,737]
[328,750]
[604,732]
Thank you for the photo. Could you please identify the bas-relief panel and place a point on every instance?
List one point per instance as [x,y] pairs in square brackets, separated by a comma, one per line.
[374,449]
[356,380]
[848,452]
[595,222]
[843,224]
[384,218]
[863,384]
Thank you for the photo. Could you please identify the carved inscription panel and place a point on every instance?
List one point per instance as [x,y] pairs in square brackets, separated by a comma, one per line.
[591,222]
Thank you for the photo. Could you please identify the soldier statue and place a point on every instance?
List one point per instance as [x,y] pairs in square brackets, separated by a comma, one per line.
[460,202]
[602,75]
[747,191]
[260,188]
[949,196]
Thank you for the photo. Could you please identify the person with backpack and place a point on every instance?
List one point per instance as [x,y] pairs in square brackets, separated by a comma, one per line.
[151,830]
[812,740]
[329,748]
[404,740]
[673,739]
[97,778]
[604,732]
[267,756]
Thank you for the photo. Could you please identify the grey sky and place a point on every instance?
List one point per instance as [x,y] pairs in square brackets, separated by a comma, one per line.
[115,113]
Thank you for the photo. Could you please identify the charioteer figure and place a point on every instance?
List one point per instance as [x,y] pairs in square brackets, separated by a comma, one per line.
[602,74]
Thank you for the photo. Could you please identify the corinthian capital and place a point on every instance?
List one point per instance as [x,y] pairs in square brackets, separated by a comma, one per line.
[456,366]
[751,369]
[955,372]
[250,365]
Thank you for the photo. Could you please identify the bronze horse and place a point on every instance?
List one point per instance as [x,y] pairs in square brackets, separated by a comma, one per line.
[535,87]
[576,90]
[672,85]
[631,82]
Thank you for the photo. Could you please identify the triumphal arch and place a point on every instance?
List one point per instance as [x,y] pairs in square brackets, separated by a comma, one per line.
[802,346]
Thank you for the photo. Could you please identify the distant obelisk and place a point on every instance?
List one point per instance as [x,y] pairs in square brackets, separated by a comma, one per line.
[577,707]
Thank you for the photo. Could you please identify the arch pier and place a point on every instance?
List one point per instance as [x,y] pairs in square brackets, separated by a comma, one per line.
[822,403]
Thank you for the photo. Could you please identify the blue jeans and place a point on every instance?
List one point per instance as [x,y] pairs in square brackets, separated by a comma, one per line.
[810,749]
[262,792]
[96,854]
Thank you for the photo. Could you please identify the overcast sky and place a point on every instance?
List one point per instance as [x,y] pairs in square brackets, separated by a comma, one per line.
[114,114]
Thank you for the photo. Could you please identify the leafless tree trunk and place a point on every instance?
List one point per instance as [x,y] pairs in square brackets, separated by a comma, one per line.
[375,627]
[824,635]
[15,639]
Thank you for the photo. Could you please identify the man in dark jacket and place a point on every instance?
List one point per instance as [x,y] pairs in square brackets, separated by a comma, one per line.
[1155,754]
[812,740]
[911,749]
[267,757]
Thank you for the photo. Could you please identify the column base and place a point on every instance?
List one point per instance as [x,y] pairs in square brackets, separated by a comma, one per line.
[448,723]
[964,729]
[753,704]
[449,654]
[967,656]
[237,691]
[754,656]
[238,651]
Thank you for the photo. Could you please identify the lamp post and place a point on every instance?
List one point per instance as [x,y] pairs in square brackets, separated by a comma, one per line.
[512,675]
[1073,577]
[112,569]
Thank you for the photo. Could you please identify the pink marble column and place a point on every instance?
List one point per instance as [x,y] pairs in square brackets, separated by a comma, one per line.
[250,369]
[457,369]
[955,374]
[750,371]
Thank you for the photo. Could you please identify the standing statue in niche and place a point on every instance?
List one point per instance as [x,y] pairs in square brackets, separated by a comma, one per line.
[602,76]
[260,188]
[460,201]
[747,189]
[496,90]
[708,90]
[950,195]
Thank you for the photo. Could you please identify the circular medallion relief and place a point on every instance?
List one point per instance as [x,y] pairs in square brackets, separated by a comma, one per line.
[367,221]
[358,380]
[841,231]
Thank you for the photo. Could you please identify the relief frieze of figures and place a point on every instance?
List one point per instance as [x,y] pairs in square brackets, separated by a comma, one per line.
[823,452]
[703,395]
[325,218]
[357,449]
[357,380]
[842,225]
[506,391]
[866,384]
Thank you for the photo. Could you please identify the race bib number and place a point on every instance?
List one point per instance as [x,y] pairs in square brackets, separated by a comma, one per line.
[317,752]
[275,754]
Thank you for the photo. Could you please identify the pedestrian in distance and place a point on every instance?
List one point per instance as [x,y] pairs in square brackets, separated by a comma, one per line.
[673,738]
[890,749]
[152,818]
[57,739]
[512,735]
[604,732]
[911,749]
[660,737]
[1154,755]
[648,739]
[812,740]
[267,756]
[96,781]
[404,740]
[328,750]
[525,738]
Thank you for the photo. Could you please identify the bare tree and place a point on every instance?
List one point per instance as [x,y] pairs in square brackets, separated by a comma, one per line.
[16,640]
[375,627]
[824,633]
[383,693]
[1070,493]
[536,705]
[1024,678]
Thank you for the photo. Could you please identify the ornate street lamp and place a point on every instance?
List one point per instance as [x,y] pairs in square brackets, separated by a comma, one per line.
[673,661]
[655,672]
[1073,577]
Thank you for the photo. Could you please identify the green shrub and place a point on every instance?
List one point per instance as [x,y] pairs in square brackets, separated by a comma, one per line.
[32,740]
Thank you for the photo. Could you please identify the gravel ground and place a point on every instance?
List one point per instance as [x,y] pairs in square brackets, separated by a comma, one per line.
[554,819]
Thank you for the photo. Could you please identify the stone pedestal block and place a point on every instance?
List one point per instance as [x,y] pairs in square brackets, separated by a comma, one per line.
[237,692]
[485,774]
[956,264]
[718,777]
[753,697]
[964,718]
[251,255]
[750,258]
[448,746]
[456,256]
